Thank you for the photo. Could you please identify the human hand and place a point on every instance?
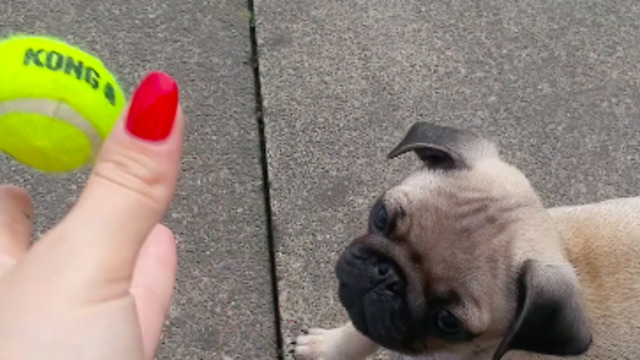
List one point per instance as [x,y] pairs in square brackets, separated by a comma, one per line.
[98,285]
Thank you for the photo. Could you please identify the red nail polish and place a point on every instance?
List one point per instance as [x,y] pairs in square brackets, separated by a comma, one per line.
[153,108]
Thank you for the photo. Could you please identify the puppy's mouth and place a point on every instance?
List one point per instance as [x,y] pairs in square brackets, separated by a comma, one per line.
[373,290]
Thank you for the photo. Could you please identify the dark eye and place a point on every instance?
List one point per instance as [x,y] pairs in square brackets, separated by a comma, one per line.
[380,218]
[447,324]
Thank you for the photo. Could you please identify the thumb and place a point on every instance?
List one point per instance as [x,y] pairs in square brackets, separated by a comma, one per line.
[128,191]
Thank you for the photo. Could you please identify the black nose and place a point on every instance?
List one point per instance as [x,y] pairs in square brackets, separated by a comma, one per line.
[361,269]
[385,273]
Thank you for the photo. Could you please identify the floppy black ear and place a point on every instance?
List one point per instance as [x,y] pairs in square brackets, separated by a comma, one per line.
[441,147]
[550,318]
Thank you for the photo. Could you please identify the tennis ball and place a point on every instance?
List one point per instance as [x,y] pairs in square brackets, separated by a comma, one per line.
[57,103]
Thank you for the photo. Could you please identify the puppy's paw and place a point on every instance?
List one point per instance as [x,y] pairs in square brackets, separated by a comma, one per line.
[318,344]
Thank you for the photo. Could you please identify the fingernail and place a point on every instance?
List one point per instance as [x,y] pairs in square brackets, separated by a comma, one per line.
[153,108]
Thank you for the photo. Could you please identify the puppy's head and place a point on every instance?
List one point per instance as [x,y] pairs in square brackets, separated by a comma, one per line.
[462,257]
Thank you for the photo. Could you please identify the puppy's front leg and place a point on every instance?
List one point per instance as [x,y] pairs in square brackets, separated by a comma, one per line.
[343,343]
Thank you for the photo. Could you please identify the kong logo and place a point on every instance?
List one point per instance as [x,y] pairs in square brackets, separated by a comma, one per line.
[55,61]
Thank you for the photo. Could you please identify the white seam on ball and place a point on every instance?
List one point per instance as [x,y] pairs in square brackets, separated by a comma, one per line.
[56,110]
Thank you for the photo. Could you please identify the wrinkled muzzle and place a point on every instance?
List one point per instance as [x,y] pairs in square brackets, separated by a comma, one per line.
[373,290]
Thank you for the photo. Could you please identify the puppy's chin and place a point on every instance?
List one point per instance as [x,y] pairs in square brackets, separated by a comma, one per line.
[373,290]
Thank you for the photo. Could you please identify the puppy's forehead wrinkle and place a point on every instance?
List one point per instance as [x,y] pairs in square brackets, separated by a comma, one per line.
[465,211]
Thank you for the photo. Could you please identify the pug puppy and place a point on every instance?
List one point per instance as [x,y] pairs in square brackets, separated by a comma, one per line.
[461,260]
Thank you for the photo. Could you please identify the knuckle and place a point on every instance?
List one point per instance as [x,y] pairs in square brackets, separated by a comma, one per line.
[132,171]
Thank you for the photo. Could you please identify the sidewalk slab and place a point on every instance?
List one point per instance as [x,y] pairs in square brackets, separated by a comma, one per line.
[223,306]
[556,84]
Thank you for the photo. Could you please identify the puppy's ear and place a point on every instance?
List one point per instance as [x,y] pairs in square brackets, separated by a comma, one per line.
[444,148]
[550,318]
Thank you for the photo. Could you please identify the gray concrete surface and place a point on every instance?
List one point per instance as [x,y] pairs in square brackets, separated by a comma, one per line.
[223,294]
[555,83]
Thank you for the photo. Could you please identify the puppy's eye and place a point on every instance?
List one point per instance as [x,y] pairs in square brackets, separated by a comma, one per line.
[380,218]
[447,324]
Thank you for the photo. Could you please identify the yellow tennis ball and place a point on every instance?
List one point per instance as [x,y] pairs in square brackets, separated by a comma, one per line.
[57,103]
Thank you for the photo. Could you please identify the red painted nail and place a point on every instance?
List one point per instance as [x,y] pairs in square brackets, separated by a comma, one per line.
[153,108]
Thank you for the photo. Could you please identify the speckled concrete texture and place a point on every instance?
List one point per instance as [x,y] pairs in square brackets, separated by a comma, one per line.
[222,308]
[555,83]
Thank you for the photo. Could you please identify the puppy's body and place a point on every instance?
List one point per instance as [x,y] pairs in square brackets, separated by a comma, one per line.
[602,241]
[472,265]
